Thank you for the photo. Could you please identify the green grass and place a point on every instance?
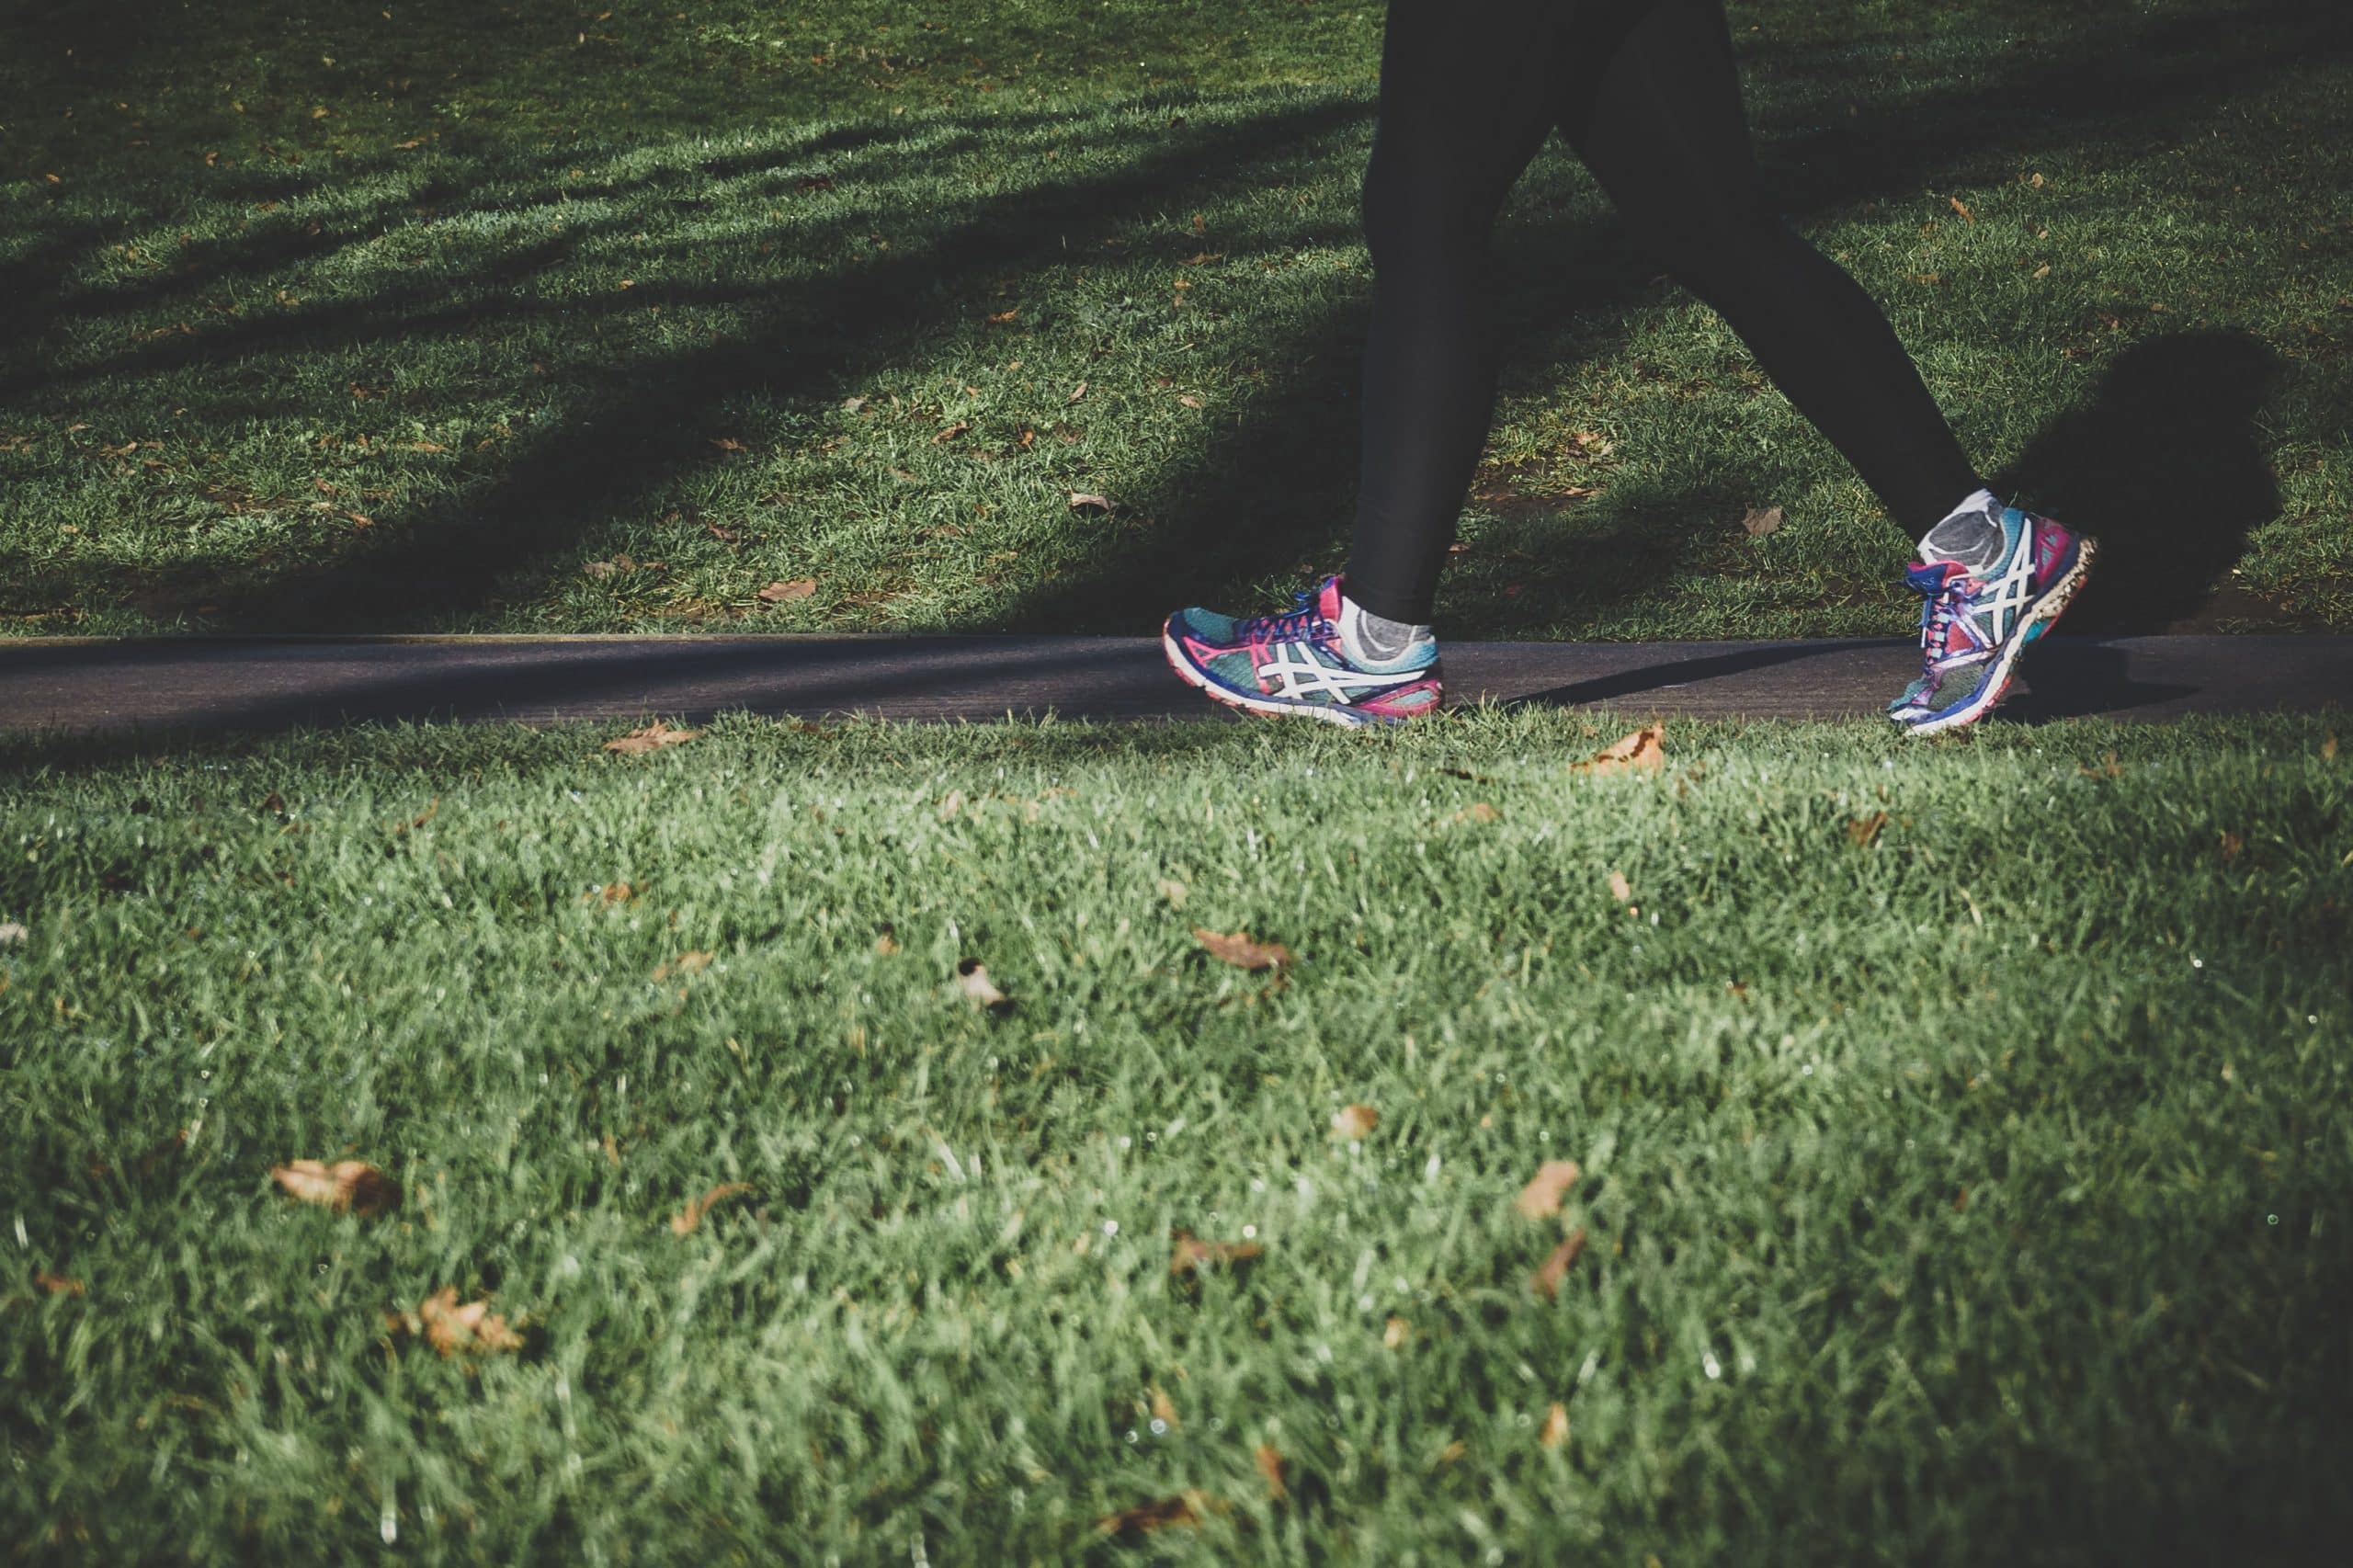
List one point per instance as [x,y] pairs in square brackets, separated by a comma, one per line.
[1972,1190]
[551,321]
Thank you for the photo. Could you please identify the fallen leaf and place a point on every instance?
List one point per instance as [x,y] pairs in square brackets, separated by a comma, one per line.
[450,1328]
[852,404]
[1081,501]
[1397,1331]
[600,569]
[1164,1408]
[778,593]
[1173,892]
[2328,748]
[1545,1189]
[57,1284]
[611,892]
[1555,1428]
[653,737]
[2043,271]
[1863,830]
[1478,811]
[1241,951]
[1761,521]
[2232,845]
[951,432]
[1189,401]
[1962,208]
[685,1220]
[885,945]
[1619,889]
[347,1186]
[1027,439]
[2036,181]
[1189,1253]
[1145,1518]
[1270,1466]
[1075,393]
[1644,751]
[1355,1122]
[1546,1280]
[1002,316]
[728,444]
[974,977]
[684,964]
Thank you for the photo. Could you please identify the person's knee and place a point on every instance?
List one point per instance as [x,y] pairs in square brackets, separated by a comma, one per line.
[1415,203]
[1708,247]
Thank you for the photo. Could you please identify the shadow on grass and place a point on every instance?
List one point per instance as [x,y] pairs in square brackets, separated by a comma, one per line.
[1256,503]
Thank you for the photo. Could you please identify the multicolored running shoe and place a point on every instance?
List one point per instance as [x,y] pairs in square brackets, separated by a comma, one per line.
[1981,613]
[1294,663]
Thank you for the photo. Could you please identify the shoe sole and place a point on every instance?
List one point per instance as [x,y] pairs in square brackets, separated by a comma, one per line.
[1996,685]
[1266,707]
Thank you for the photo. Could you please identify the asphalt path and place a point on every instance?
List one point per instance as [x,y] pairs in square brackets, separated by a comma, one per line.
[281,683]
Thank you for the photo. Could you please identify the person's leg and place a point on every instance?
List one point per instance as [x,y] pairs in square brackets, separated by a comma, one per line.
[1660,125]
[1468,90]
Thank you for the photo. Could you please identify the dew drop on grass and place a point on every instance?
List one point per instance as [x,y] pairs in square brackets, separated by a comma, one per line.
[1249,1233]
[1709,1365]
[2271,1218]
[1159,1427]
[1111,1227]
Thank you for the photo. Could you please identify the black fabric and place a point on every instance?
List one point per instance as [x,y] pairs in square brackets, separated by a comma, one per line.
[1646,93]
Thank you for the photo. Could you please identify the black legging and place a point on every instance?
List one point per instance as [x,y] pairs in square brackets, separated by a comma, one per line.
[1646,93]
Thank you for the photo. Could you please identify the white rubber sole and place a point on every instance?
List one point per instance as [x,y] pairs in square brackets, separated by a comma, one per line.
[1271,707]
[1996,684]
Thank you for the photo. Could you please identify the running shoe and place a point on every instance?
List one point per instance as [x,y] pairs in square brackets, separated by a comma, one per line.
[1979,617]
[1294,663]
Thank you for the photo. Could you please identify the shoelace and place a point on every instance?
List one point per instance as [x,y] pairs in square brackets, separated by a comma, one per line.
[1937,616]
[1300,620]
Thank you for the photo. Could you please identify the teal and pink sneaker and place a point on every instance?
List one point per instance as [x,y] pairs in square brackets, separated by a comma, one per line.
[1980,615]
[1294,663]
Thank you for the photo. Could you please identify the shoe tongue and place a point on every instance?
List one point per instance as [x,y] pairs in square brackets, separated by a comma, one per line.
[1930,576]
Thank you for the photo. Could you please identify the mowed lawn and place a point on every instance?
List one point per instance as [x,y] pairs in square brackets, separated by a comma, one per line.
[1963,1130]
[433,316]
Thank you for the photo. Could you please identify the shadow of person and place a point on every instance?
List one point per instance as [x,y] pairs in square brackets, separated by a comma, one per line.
[2165,469]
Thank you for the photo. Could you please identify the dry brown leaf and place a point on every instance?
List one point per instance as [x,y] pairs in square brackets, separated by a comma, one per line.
[951,432]
[653,737]
[1270,1466]
[1186,1508]
[685,1220]
[1619,889]
[1962,208]
[1644,751]
[1542,1195]
[452,1329]
[1189,1253]
[1164,1408]
[1081,501]
[852,404]
[1555,1428]
[1395,1335]
[2043,271]
[973,976]
[611,892]
[2328,748]
[885,945]
[1863,830]
[1189,401]
[1761,521]
[780,591]
[347,1186]
[1355,1122]
[1241,951]
[1075,393]
[1546,1280]
[684,964]
[727,444]
[57,1284]
[1003,316]
[1478,811]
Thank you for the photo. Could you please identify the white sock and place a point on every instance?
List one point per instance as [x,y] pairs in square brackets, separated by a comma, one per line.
[1373,640]
[1971,533]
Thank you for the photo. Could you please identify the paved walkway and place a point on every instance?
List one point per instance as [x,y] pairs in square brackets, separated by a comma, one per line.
[278,683]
